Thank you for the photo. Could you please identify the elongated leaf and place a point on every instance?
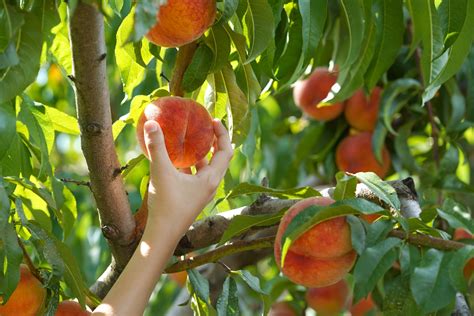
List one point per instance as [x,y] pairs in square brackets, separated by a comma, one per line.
[358,234]
[252,281]
[11,19]
[258,27]
[354,20]
[199,284]
[219,42]
[228,301]
[430,283]
[452,14]
[242,223]
[145,16]
[196,73]
[346,187]
[389,38]
[7,126]
[381,189]
[62,122]
[456,272]
[399,299]
[372,265]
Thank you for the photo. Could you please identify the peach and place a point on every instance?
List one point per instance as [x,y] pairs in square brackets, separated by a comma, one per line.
[180,22]
[362,112]
[309,93]
[28,296]
[322,255]
[331,238]
[363,307]
[187,128]
[370,218]
[71,308]
[354,154]
[179,278]
[281,309]
[460,233]
[329,300]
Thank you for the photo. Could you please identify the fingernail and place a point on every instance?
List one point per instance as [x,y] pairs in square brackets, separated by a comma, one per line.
[151,126]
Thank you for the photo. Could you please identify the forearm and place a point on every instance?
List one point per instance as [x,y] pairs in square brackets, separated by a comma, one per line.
[130,294]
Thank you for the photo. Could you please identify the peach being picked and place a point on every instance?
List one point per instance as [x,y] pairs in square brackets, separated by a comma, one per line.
[187,128]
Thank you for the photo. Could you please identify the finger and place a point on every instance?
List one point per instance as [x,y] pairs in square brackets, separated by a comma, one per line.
[221,158]
[155,144]
[201,164]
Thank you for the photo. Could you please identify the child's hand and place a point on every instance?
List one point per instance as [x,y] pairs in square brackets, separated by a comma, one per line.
[177,197]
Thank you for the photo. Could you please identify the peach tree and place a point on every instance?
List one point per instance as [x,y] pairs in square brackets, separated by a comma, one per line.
[76,75]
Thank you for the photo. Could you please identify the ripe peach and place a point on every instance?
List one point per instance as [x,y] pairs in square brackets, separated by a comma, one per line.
[180,22]
[281,309]
[28,296]
[370,218]
[329,300]
[354,154]
[71,308]
[460,233]
[322,255]
[331,238]
[309,93]
[179,278]
[362,112]
[363,307]
[187,128]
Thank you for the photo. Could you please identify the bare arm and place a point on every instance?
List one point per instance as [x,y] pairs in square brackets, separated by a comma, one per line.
[174,201]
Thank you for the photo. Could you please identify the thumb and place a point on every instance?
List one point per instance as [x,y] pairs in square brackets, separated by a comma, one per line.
[155,144]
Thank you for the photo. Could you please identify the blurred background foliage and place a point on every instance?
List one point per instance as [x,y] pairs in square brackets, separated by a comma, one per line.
[282,145]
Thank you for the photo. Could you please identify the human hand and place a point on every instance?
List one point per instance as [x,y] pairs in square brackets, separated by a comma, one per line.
[178,197]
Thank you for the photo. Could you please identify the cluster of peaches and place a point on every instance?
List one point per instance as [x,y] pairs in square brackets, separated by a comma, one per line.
[353,153]
[319,260]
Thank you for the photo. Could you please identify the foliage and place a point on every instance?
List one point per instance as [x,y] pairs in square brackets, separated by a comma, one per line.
[243,70]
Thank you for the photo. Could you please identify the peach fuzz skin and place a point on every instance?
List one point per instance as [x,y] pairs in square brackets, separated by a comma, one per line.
[28,296]
[309,93]
[354,154]
[180,22]
[321,259]
[187,128]
[330,300]
[281,309]
[362,111]
[363,307]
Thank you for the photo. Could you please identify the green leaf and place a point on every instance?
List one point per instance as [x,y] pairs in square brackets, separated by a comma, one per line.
[381,189]
[219,43]
[452,15]
[10,251]
[295,193]
[242,223]
[252,281]
[145,16]
[11,19]
[346,186]
[399,300]
[62,122]
[456,272]
[7,126]
[358,234]
[409,259]
[430,283]
[314,215]
[131,58]
[452,60]
[29,43]
[197,71]
[60,46]
[199,284]
[389,38]
[258,27]
[354,21]
[228,301]
[230,7]
[372,265]
[456,215]
[9,57]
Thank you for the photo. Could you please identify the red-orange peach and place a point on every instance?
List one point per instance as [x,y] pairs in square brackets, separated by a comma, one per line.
[71,308]
[460,233]
[281,309]
[329,300]
[363,307]
[309,93]
[187,128]
[322,255]
[361,112]
[370,218]
[354,154]
[28,296]
[182,21]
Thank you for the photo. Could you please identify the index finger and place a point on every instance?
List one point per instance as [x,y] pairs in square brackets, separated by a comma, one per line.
[222,156]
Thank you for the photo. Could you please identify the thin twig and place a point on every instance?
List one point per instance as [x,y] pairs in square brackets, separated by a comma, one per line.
[76,182]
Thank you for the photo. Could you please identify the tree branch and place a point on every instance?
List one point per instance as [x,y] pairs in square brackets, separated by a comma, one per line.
[94,116]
